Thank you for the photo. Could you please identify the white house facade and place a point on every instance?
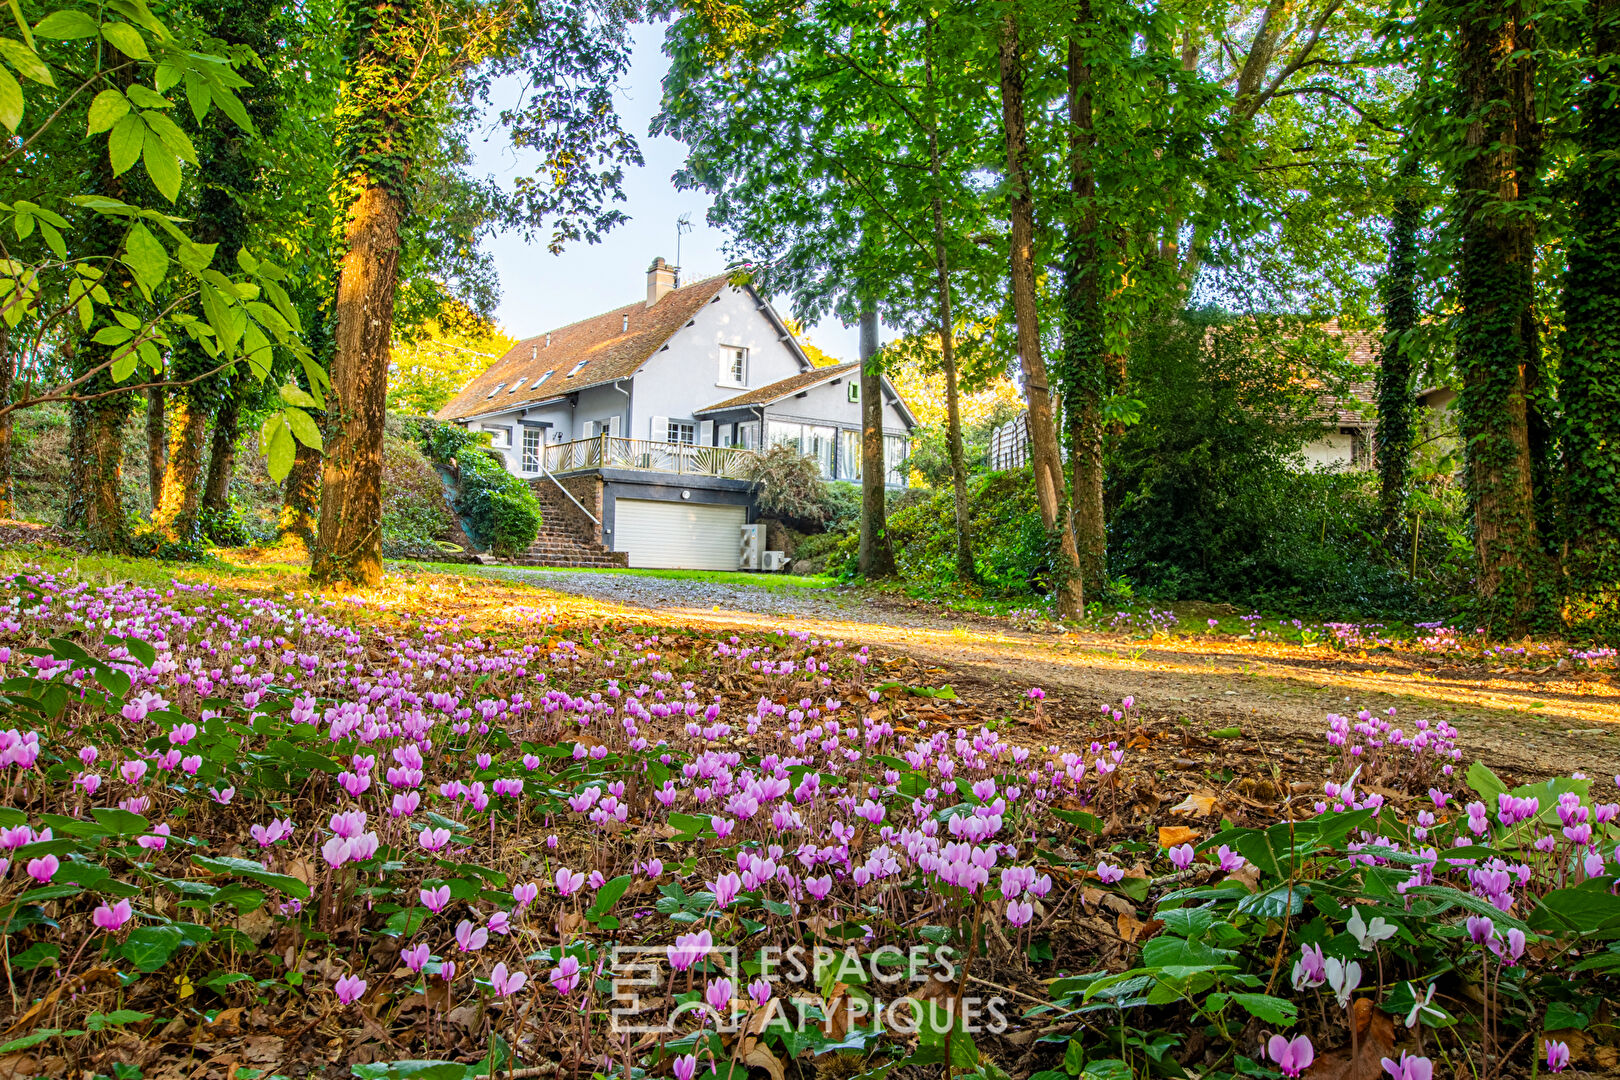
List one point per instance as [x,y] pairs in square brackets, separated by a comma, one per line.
[661,402]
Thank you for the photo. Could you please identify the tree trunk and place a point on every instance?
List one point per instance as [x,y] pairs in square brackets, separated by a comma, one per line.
[349,546]
[965,568]
[1083,370]
[229,171]
[1540,408]
[156,452]
[95,505]
[1589,371]
[876,553]
[300,497]
[8,375]
[95,500]
[1044,449]
[1396,409]
[176,508]
[1494,287]
[222,455]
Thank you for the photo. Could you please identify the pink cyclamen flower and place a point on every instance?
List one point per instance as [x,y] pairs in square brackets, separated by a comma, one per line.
[524,895]
[416,957]
[725,888]
[435,900]
[1557,1055]
[336,851]
[43,868]
[504,984]
[760,991]
[470,939]
[1230,860]
[1182,856]
[685,1067]
[569,881]
[689,949]
[132,771]
[1109,874]
[111,918]
[349,988]
[718,995]
[158,840]
[1409,1067]
[1020,912]
[565,976]
[500,923]
[1293,1056]
[433,839]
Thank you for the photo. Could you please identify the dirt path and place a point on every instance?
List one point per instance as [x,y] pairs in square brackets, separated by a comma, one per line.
[1527,725]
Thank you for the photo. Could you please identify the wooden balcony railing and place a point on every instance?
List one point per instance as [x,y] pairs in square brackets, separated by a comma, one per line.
[606,451]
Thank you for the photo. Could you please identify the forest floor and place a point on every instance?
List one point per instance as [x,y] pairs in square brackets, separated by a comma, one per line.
[1526,722]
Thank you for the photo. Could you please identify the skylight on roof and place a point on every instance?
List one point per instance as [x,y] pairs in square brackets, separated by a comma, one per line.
[517,384]
[541,379]
[495,391]
[578,368]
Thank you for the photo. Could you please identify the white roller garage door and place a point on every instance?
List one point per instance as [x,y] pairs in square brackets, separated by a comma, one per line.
[678,535]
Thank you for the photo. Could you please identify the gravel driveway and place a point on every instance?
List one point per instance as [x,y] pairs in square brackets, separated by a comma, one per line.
[666,594]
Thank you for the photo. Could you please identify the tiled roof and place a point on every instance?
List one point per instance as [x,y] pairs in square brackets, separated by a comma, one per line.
[612,345]
[1336,410]
[782,388]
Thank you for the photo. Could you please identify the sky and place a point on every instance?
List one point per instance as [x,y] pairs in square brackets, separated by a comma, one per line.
[541,291]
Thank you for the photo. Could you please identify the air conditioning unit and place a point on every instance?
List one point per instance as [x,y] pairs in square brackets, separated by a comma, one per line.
[753,541]
[774,561]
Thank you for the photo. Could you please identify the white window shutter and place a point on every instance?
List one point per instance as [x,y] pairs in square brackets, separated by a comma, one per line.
[658,429]
[613,426]
[590,429]
[705,432]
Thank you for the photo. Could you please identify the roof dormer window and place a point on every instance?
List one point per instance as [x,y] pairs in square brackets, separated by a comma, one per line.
[577,368]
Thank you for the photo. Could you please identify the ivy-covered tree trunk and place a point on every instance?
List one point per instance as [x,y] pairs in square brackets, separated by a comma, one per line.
[1083,369]
[8,377]
[216,495]
[1045,452]
[1541,408]
[175,511]
[375,117]
[156,450]
[300,496]
[227,173]
[876,553]
[1395,433]
[95,506]
[1494,288]
[1589,372]
[95,500]
[965,568]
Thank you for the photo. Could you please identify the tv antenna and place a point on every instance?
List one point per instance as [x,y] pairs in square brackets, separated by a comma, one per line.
[683,225]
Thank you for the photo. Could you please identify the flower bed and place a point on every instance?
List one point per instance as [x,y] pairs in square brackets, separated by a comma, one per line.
[316,836]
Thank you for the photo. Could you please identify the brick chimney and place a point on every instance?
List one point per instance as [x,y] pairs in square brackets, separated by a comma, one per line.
[660,280]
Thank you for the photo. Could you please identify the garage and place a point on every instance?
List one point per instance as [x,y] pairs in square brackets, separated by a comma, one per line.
[676,535]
